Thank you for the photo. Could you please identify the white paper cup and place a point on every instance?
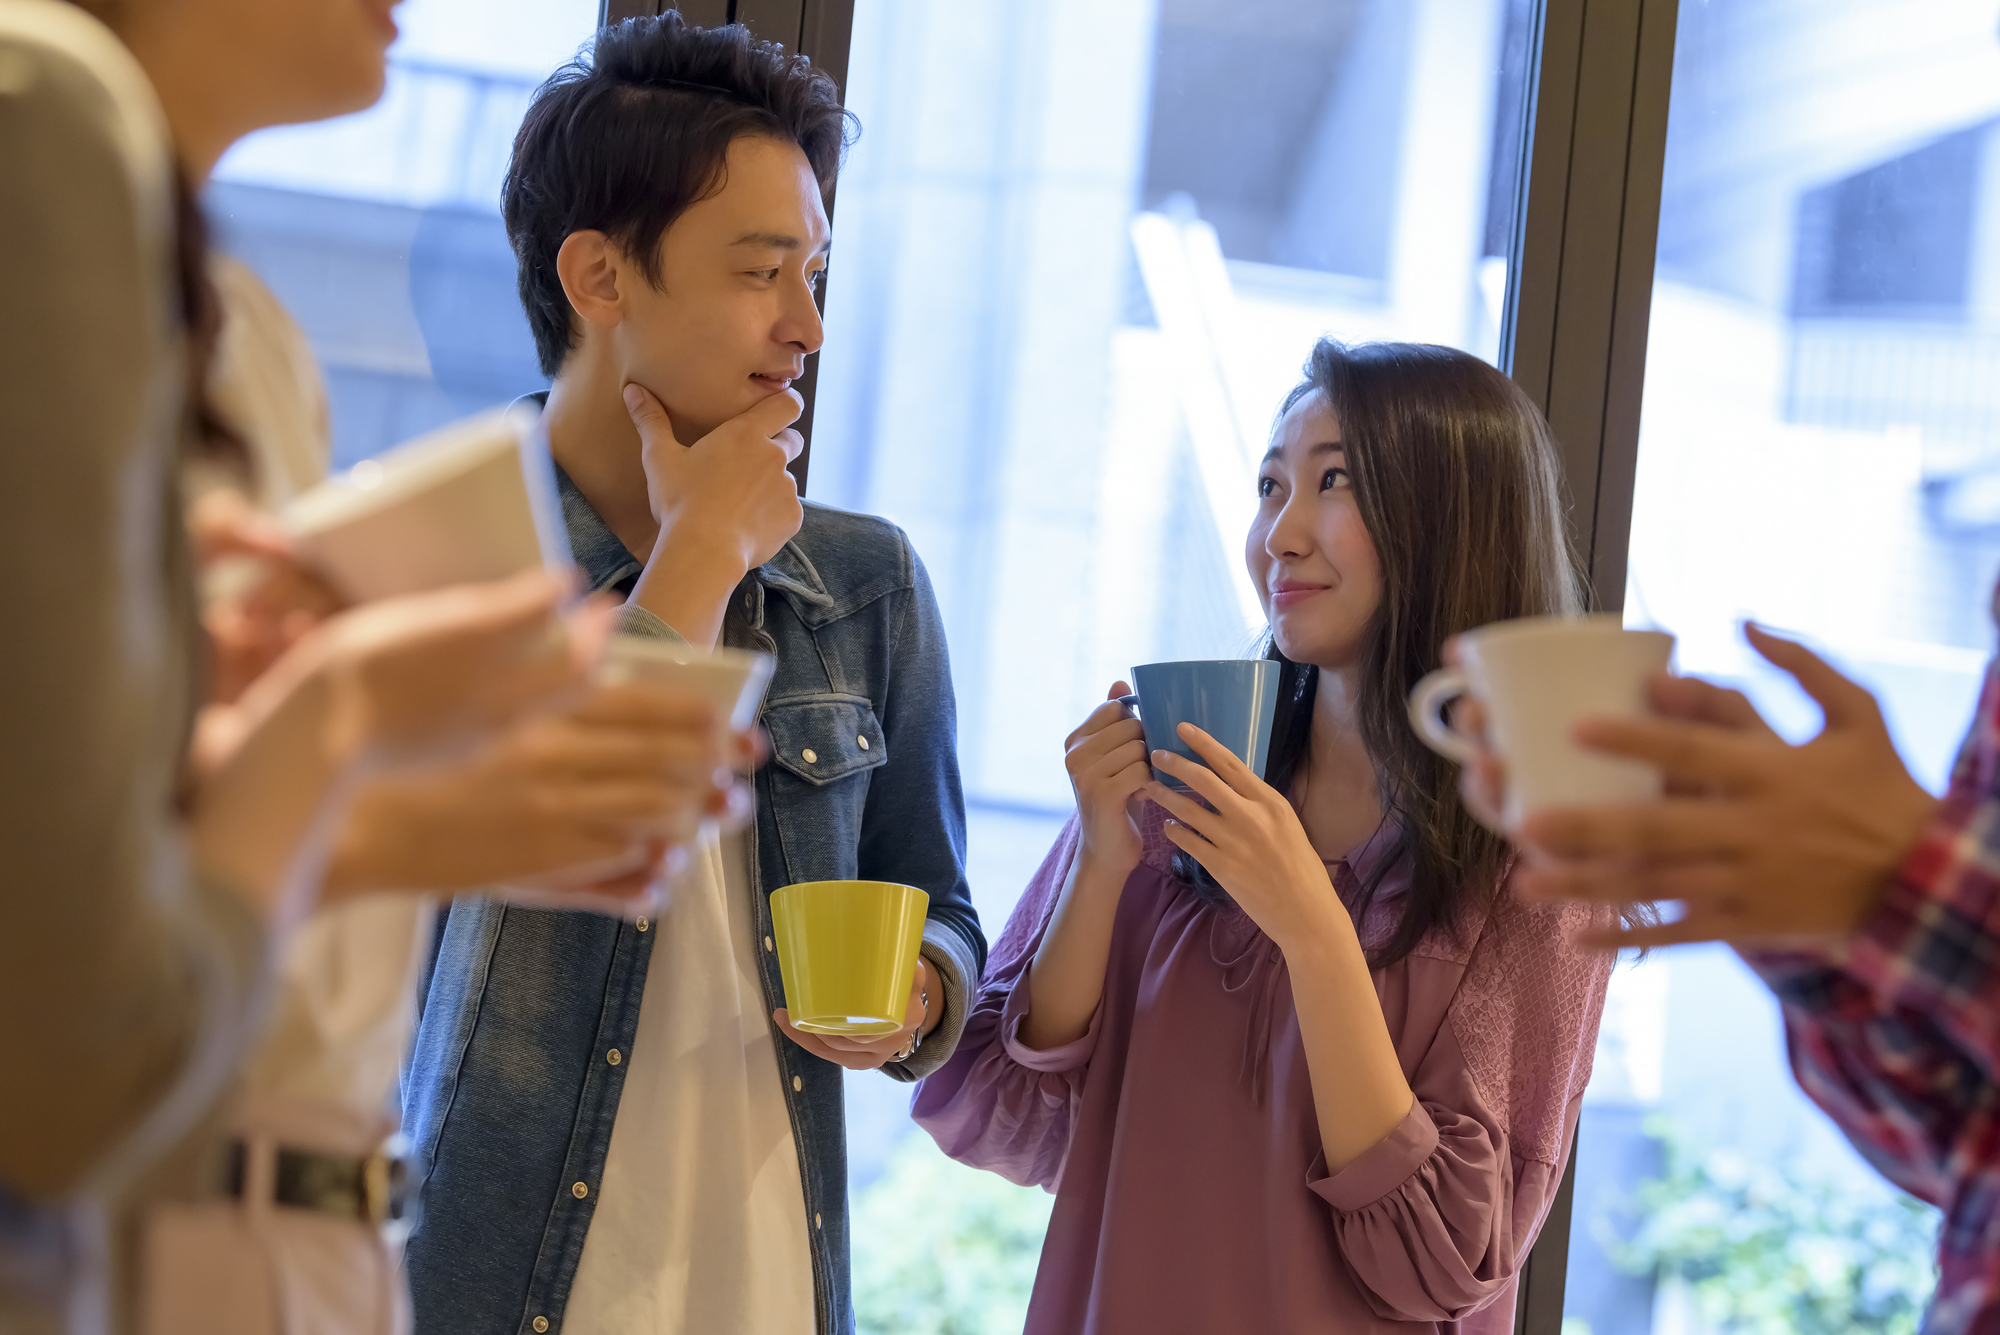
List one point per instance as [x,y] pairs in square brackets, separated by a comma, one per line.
[731,680]
[1537,678]
[454,506]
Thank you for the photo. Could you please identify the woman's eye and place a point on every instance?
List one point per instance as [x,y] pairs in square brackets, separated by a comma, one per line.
[1266,486]
[768,275]
[1335,477]
[815,278]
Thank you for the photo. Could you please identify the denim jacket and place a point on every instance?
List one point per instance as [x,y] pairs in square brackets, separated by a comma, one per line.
[510,1098]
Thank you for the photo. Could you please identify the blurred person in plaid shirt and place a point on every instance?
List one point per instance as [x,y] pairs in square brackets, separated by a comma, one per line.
[1870,907]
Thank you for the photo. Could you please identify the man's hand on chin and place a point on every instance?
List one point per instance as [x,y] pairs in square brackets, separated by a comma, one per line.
[725,505]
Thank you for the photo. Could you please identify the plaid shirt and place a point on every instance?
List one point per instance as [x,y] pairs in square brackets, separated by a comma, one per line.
[1898,1037]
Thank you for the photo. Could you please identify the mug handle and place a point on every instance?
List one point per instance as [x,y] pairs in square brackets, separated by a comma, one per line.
[1131,702]
[1431,694]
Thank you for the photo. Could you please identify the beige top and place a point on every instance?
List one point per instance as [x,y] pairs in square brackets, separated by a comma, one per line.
[266,385]
[124,978]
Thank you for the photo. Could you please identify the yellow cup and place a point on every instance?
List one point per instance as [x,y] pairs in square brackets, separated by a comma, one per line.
[848,950]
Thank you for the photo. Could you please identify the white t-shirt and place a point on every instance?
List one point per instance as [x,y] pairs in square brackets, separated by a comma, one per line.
[700,1225]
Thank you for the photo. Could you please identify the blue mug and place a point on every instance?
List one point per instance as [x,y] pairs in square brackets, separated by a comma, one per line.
[1233,700]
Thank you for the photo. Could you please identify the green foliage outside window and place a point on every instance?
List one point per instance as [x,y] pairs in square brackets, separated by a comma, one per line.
[1768,1249]
[942,1249]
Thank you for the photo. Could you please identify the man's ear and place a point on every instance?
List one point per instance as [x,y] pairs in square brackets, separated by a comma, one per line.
[590,269]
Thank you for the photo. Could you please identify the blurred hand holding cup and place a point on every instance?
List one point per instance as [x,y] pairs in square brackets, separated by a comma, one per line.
[847,951]
[732,682]
[471,501]
[1233,700]
[1537,678]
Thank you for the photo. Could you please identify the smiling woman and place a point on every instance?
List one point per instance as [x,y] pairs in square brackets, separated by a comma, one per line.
[1318,977]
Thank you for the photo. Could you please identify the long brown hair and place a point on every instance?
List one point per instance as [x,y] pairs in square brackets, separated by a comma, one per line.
[1456,477]
[208,435]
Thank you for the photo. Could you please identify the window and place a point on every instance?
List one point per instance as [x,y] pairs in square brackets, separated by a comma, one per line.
[381,231]
[1819,451]
[1080,254]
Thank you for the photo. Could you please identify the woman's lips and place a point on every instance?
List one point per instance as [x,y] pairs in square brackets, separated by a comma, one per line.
[1291,595]
[773,384]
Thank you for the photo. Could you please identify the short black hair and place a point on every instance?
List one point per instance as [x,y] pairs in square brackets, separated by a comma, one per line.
[625,139]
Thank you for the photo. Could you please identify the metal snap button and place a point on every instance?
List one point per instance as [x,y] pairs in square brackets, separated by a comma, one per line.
[810,756]
[863,741]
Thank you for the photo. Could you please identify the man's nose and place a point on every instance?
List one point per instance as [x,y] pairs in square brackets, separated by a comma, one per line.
[801,325]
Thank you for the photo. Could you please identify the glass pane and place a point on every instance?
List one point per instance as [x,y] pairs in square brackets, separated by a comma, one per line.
[381,231]
[1819,451]
[1081,252]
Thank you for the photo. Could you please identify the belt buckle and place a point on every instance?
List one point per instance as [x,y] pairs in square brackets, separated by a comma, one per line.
[385,1181]
[377,1200]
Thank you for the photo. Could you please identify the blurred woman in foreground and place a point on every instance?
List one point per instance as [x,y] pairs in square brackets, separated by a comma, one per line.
[141,901]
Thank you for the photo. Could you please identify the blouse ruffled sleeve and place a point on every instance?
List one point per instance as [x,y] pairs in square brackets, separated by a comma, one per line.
[1437,1217]
[996,1104]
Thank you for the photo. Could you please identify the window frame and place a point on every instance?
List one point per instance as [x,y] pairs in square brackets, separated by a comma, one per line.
[1574,332]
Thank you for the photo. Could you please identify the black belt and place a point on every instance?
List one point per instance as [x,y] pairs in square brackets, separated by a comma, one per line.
[374,1188]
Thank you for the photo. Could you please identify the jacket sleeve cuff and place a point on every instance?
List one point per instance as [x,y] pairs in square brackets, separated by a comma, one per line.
[952,958]
[1382,1168]
[1071,1056]
[638,622]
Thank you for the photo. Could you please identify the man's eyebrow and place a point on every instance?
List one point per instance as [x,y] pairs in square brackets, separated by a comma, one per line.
[777,241]
[1322,447]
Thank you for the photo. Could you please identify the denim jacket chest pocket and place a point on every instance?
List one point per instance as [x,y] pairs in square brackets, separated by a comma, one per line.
[828,742]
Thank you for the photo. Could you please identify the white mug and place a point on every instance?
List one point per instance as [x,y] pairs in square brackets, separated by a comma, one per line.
[1538,677]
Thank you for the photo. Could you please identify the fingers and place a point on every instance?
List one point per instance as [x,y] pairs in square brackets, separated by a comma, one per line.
[1846,704]
[1482,786]
[792,443]
[1709,882]
[1119,689]
[1107,750]
[1106,715]
[1222,761]
[1684,932]
[1692,700]
[647,705]
[1690,752]
[1196,776]
[648,414]
[1184,810]
[772,415]
[1675,827]
[862,1057]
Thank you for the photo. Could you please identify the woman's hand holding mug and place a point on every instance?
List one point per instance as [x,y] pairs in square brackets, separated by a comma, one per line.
[1108,769]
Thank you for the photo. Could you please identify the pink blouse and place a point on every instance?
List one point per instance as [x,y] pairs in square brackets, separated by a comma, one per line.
[1180,1138]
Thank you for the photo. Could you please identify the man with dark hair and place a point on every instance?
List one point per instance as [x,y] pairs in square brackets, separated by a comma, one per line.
[624,1131]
